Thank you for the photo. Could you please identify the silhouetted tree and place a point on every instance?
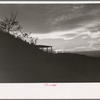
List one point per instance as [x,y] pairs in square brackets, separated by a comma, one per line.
[10,23]
[26,37]
[33,40]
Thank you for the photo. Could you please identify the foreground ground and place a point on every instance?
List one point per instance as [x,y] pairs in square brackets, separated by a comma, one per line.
[21,62]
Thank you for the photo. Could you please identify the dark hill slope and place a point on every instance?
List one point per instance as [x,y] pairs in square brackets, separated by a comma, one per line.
[21,62]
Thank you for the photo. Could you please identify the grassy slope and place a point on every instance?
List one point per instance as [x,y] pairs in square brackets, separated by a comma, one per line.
[21,62]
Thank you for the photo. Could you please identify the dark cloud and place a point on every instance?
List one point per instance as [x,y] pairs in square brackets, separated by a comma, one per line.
[47,18]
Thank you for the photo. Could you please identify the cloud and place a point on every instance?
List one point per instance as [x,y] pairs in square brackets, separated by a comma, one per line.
[81,48]
[66,35]
[71,34]
[81,38]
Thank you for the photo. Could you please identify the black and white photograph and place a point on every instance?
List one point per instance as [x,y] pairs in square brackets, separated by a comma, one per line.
[49,43]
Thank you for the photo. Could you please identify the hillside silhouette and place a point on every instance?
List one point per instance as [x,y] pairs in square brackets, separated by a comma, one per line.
[21,62]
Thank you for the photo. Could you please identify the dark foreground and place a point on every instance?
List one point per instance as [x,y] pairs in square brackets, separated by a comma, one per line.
[21,62]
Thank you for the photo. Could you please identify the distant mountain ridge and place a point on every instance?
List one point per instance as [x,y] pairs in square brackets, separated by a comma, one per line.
[95,53]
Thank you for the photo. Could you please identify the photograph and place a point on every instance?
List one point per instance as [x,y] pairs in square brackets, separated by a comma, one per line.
[55,43]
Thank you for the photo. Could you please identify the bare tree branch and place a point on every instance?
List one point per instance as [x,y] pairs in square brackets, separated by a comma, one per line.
[8,24]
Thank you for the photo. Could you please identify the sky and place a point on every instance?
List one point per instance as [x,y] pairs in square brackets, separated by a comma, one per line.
[66,27]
